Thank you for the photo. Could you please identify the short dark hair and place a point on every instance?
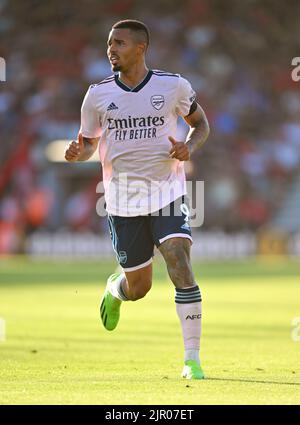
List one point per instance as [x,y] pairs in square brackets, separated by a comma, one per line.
[136,26]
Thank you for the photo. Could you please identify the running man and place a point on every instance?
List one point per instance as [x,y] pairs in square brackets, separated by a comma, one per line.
[134,115]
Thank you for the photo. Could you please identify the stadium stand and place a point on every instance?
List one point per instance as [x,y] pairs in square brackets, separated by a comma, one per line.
[236,54]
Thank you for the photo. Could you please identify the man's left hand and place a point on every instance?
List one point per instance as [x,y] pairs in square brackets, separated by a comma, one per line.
[179,150]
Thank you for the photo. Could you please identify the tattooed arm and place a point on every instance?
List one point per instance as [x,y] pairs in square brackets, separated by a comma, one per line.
[199,131]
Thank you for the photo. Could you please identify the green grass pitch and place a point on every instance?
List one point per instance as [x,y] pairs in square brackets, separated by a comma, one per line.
[57,352]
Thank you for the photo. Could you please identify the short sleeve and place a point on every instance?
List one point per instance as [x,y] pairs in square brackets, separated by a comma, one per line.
[90,119]
[185,97]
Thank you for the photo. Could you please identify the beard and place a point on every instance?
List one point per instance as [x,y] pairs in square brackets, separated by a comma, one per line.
[116,68]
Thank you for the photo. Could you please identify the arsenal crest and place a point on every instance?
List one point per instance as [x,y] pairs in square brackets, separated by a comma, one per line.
[157,101]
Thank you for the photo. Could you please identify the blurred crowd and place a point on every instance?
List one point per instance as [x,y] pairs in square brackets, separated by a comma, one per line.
[237,55]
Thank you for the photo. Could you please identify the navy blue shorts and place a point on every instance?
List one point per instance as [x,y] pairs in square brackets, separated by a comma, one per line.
[133,238]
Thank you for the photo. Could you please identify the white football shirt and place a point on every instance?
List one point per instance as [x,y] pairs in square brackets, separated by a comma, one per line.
[133,125]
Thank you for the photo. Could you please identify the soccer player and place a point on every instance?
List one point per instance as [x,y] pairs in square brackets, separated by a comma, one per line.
[134,115]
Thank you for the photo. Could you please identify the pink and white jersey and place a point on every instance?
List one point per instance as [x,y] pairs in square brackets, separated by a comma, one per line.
[133,125]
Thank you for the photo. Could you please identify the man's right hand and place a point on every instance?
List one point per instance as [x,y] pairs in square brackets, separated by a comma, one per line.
[74,150]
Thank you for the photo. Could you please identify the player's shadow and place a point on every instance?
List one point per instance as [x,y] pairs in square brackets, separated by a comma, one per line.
[252,381]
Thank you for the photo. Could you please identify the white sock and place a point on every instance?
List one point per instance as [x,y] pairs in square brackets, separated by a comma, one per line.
[116,288]
[189,310]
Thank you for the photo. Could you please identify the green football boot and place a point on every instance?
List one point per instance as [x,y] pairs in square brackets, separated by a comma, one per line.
[192,370]
[110,306]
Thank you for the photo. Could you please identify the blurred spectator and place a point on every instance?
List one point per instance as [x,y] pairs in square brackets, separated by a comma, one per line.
[237,56]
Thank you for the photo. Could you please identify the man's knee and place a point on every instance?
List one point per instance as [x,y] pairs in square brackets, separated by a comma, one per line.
[140,289]
[139,282]
[176,250]
[177,259]
[176,253]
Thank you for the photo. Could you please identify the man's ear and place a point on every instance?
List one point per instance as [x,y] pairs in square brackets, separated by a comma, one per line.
[142,48]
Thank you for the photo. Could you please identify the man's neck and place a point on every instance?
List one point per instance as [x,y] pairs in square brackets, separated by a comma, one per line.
[134,76]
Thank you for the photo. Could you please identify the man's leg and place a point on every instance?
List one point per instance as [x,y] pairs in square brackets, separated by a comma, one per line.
[176,252]
[133,245]
[131,286]
[128,286]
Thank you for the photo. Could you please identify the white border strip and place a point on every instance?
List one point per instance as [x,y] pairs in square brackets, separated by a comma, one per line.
[176,235]
[140,266]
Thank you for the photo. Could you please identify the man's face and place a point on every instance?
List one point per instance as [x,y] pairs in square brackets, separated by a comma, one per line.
[122,49]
